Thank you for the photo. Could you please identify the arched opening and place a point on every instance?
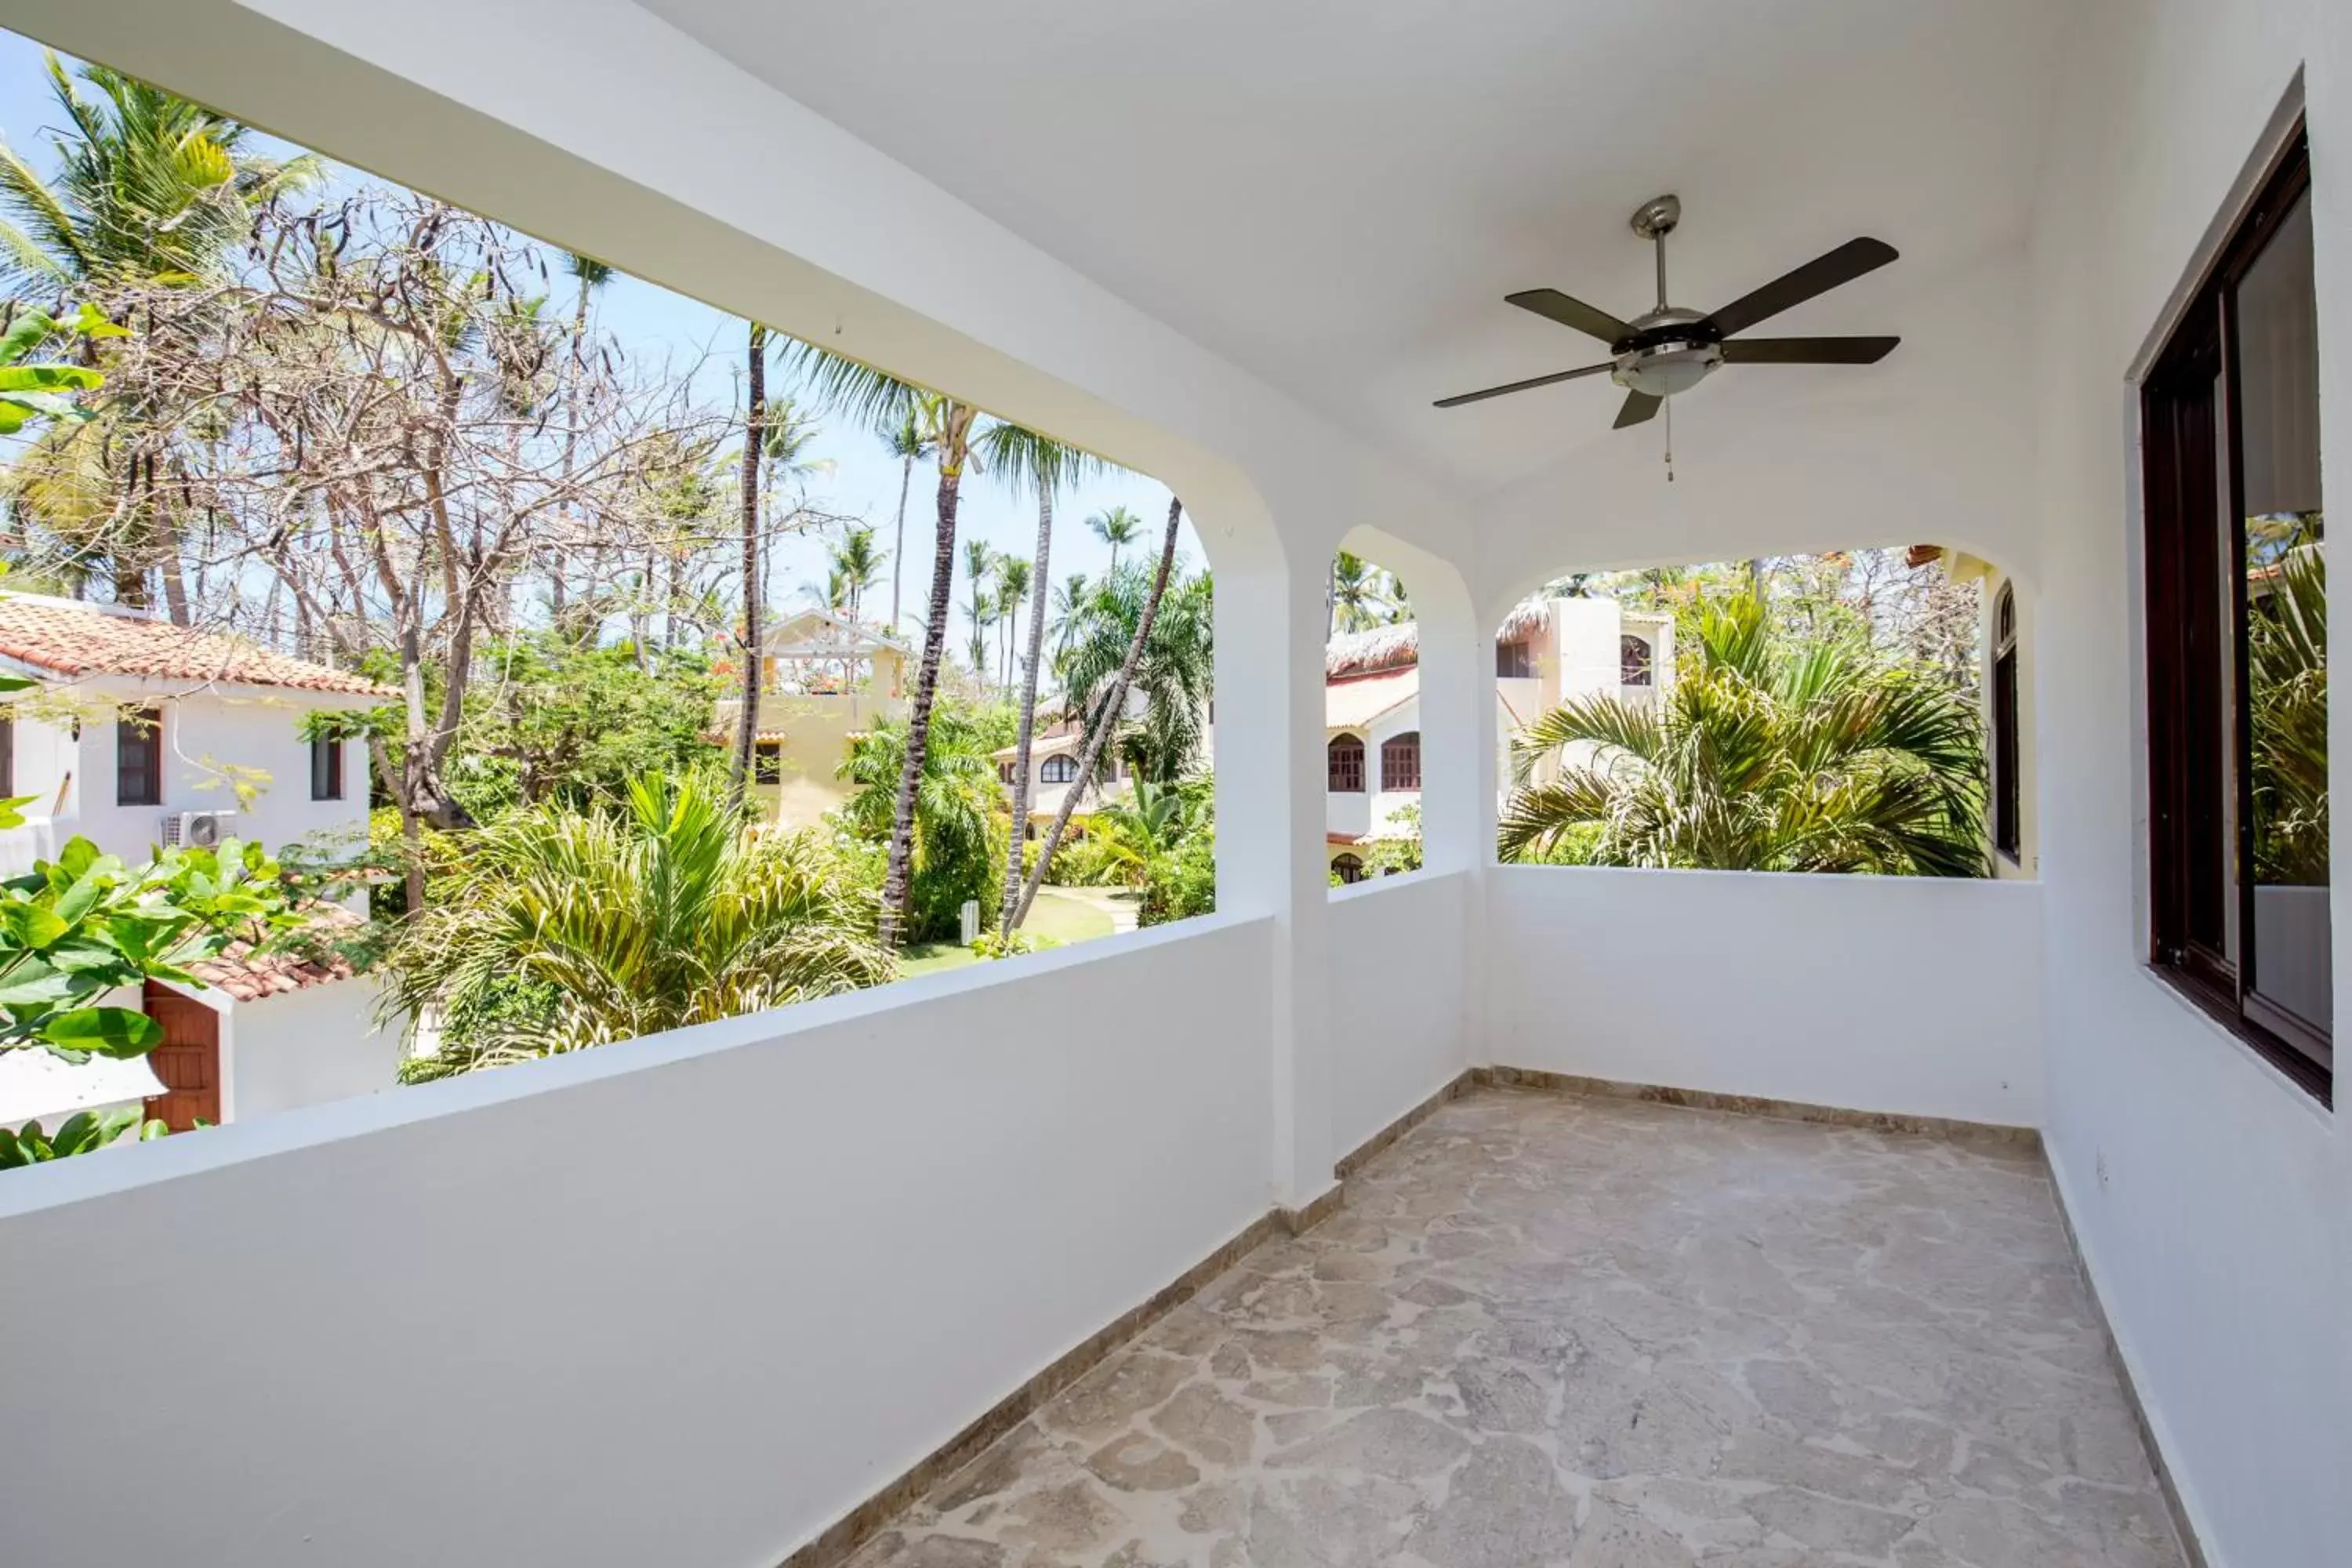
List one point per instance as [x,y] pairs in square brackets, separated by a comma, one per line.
[711,566]
[1347,867]
[1744,779]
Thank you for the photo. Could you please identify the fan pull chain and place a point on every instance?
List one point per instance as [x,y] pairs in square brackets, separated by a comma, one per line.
[1669,412]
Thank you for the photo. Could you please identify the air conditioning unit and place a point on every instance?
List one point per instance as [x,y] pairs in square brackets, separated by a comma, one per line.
[197,829]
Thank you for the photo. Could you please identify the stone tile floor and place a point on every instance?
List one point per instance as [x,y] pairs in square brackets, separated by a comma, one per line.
[1604,1334]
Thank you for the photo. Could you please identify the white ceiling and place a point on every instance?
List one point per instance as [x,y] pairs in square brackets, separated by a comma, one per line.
[1337,193]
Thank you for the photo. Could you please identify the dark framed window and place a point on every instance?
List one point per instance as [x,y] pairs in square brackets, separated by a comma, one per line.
[2237,684]
[1632,660]
[1345,758]
[138,758]
[767,762]
[326,770]
[1400,761]
[1514,662]
[1348,868]
[2008,822]
[1060,769]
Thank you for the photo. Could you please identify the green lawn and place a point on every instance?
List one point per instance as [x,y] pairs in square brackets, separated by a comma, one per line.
[1064,919]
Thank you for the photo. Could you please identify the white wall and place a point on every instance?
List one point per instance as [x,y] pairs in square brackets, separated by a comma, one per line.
[680,1300]
[1397,1001]
[1895,993]
[305,1047]
[210,737]
[2213,1199]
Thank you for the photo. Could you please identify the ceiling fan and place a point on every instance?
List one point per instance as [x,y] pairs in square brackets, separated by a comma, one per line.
[1670,350]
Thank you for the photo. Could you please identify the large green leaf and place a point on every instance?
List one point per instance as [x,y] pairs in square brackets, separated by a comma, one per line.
[107,1031]
[31,925]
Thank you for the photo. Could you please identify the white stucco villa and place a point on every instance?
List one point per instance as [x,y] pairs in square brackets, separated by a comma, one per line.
[1550,650]
[141,733]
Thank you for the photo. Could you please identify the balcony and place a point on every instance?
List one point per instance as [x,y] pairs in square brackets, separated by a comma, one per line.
[1781,1219]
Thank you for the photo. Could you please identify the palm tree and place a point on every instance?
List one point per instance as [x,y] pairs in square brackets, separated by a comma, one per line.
[789,435]
[150,190]
[1070,602]
[1104,715]
[1013,578]
[1175,671]
[1358,598]
[1118,528]
[1762,757]
[564,928]
[1047,466]
[978,563]
[856,565]
[886,405]
[907,443]
[755,414]
[956,807]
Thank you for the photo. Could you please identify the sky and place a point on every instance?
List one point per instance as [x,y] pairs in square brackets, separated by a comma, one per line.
[654,324]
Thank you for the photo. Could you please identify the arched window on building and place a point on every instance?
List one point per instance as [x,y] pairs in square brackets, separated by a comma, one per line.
[1348,868]
[1400,761]
[2008,835]
[1632,660]
[1346,759]
[1059,769]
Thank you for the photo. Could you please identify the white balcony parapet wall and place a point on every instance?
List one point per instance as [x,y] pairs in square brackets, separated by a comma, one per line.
[1907,994]
[698,1295]
[1397,998]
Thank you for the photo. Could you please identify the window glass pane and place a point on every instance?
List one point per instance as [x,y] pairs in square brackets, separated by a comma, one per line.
[2277,348]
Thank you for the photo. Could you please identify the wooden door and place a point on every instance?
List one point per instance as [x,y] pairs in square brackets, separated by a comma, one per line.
[187,1062]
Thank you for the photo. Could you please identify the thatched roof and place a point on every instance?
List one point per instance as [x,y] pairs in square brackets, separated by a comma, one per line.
[1527,617]
[1398,647]
[1382,647]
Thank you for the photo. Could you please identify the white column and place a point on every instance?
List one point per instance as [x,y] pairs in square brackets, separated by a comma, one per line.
[1270,624]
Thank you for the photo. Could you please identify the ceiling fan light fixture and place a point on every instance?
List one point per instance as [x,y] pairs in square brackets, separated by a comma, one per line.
[1667,371]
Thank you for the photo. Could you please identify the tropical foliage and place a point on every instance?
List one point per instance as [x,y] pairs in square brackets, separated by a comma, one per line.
[1765,755]
[561,930]
[1163,841]
[958,824]
[83,1133]
[2286,684]
[1175,672]
[85,924]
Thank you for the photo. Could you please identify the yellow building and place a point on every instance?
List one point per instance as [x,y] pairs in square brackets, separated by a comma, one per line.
[823,680]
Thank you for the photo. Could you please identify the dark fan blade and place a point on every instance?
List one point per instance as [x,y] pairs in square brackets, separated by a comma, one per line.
[1553,305]
[1520,386]
[1818,275]
[1639,405]
[1808,351]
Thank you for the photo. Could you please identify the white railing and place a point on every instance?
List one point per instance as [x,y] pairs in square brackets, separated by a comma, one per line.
[711,1290]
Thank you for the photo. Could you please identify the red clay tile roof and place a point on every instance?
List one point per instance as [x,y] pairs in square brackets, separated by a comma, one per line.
[69,639]
[249,977]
